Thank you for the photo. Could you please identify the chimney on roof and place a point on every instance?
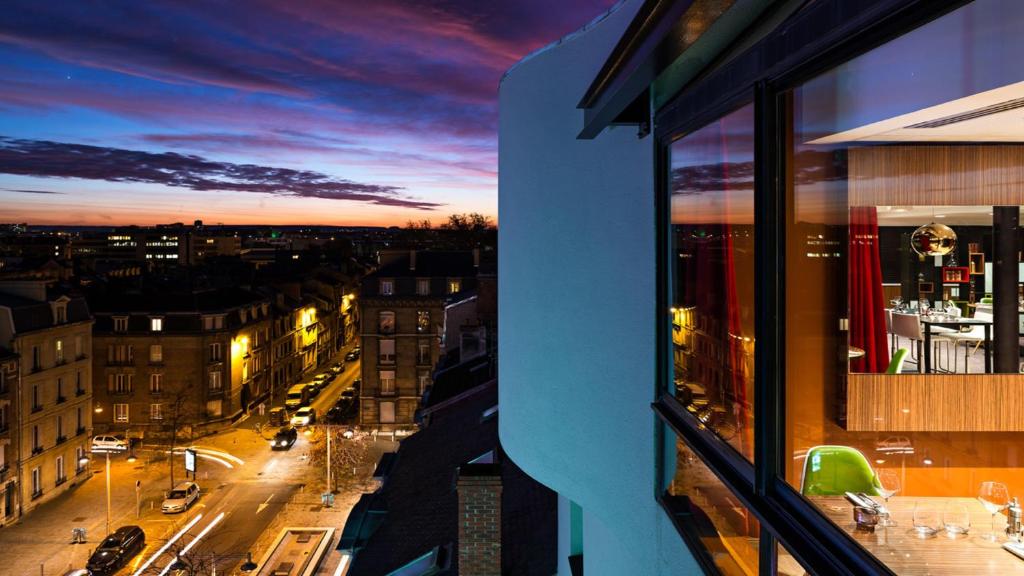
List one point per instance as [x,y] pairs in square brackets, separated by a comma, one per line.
[479,489]
[412,260]
[476,257]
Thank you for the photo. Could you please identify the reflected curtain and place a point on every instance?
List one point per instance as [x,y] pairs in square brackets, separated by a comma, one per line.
[867,304]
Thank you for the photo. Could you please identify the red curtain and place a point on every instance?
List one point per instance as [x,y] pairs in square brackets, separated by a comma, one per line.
[867,304]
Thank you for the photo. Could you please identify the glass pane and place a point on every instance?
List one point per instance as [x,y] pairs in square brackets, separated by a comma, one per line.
[712,305]
[729,532]
[787,565]
[903,276]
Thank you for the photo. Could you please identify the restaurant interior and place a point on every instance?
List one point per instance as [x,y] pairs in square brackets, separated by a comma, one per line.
[904,298]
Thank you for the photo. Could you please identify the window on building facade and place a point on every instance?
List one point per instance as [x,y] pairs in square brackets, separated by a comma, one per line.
[58,465]
[712,307]
[215,384]
[121,413]
[79,385]
[903,283]
[58,351]
[37,402]
[156,353]
[60,428]
[79,350]
[423,286]
[37,363]
[80,460]
[423,380]
[119,383]
[156,324]
[387,287]
[423,321]
[386,322]
[120,353]
[215,354]
[387,351]
[60,390]
[423,356]
[387,382]
[156,383]
[3,418]
[61,313]
[120,323]
[37,482]
[213,322]
[454,285]
[156,412]
[387,412]
[37,445]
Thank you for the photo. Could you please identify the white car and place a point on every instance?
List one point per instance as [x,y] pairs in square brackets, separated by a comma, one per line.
[304,417]
[180,498]
[109,443]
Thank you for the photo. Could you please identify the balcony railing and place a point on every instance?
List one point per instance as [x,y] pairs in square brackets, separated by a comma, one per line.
[61,439]
[80,431]
[37,408]
[37,494]
[62,399]
[80,392]
[37,450]
[60,481]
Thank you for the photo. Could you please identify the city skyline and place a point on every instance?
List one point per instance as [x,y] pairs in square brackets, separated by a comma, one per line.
[317,114]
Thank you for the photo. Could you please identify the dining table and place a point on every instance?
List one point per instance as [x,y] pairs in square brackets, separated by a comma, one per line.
[928,322]
[904,551]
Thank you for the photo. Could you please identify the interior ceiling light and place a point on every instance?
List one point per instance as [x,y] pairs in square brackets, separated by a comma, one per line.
[972,114]
[933,240]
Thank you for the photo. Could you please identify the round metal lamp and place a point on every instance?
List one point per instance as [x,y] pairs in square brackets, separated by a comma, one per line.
[933,240]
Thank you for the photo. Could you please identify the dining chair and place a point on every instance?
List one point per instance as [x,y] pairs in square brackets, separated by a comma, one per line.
[909,326]
[893,338]
[975,336]
[896,364]
[835,470]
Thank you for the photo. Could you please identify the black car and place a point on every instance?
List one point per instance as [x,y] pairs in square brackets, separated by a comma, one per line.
[353,355]
[284,438]
[116,550]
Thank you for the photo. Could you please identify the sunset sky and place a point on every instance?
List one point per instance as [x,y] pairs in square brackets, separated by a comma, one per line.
[338,112]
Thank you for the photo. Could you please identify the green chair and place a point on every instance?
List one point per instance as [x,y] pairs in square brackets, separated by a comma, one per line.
[896,364]
[985,300]
[833,470]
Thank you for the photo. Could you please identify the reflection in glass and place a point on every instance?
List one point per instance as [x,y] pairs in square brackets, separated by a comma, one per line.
[729,532]
[712,206]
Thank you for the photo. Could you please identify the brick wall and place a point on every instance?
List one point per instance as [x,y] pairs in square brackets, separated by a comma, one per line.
[479,488]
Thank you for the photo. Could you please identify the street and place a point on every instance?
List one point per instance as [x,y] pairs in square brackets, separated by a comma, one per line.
[248,492]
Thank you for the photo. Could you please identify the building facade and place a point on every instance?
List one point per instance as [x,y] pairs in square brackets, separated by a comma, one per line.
[748,166]
[401,307]
[194,361]
[46,395]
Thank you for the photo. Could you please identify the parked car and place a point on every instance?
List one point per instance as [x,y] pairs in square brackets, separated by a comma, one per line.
[353,355]
[297,397]
[180,498]
[116,550]
[278,416]
[314,390]
[304,417]
[357,383]
[338,367]
[347,395]
[109,443]
[284,438]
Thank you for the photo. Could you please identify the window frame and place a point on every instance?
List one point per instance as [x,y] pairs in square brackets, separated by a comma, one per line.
[767,71]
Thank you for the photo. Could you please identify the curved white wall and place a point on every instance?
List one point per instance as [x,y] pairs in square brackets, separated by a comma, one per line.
[576,301]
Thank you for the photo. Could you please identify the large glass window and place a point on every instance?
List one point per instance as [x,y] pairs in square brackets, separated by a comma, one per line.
[905,180]
[726,529]
[712,252]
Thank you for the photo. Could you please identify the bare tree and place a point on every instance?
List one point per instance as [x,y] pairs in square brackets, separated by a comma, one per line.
[347,454]
[181,415]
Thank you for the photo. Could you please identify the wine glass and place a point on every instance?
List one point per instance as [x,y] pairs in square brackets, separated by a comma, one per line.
[956,519]
[924,306]
[926,521]
[994,496]
[888,486]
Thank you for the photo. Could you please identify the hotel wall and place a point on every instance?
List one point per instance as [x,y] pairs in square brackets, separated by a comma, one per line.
[577,306]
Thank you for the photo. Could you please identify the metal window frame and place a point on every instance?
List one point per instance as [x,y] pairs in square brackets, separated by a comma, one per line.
[819,38]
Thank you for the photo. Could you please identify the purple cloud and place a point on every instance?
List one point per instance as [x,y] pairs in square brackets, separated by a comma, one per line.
[63,160]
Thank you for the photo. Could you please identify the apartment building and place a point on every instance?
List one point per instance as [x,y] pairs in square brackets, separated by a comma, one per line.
[193,360]
[45,394]
[402,308]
